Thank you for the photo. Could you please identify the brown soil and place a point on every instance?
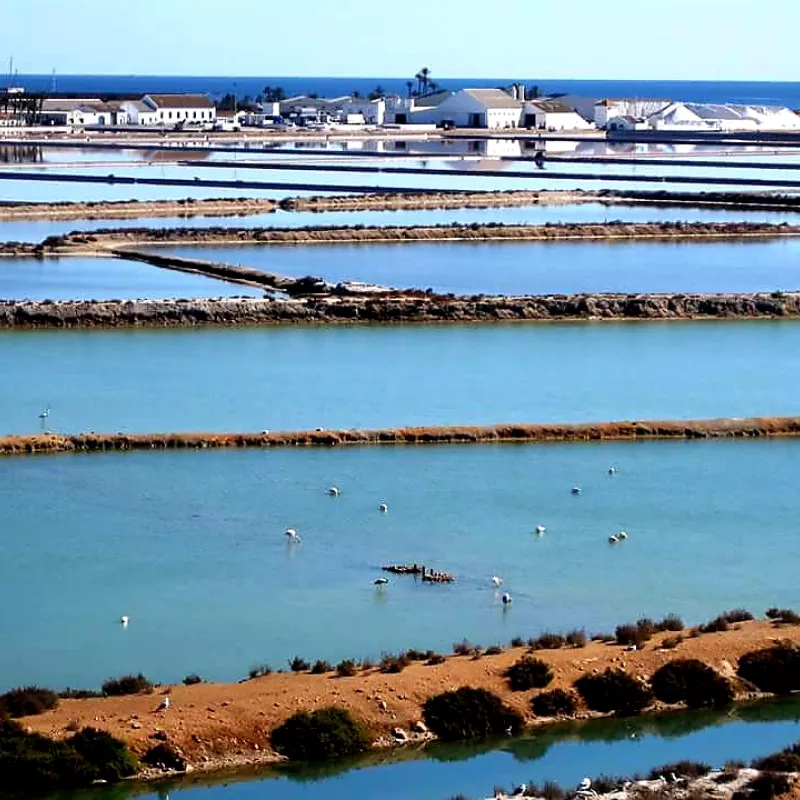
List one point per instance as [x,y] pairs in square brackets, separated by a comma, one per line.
[220,724]
[756,427]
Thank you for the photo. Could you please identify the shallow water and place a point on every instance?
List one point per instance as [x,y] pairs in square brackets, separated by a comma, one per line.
[218,379]
[38,191]
[37,230]
[518,268]
[565,754]
[105,279]
[191,546]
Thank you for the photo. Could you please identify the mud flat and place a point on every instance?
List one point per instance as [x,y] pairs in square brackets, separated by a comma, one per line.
[221,725]
[388,308]
[752,427]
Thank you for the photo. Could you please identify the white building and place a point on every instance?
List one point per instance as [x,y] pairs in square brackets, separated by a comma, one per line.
[70,111]
[606,110]
[370,112]
[175,109]
[626,123]
[470,108]
[553,115]
[139,113]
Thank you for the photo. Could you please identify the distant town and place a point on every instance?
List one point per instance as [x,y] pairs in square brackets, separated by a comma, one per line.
[426,107]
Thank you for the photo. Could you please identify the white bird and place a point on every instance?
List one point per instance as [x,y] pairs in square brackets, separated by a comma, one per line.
[576,490]
[381,581]
[520,790]
[164,704]
[506,598]
[383,508]
[497,580]
[292,534]
[333,491]
[123,620]
[45,414]
[613,539]
[612,470]
[623,534]
[585,784]
[540,529]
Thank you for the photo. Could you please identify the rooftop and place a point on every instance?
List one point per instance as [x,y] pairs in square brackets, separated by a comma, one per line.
[181,100]
[494,98]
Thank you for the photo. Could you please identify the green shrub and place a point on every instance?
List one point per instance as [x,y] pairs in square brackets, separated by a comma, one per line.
[110,758]
[164,756]
[787,760]
[766,786]
[517,641]
[346,668]
[576,638]
[613,690]
[636,633]
[321,667]
[783,616]
[416,655]
[127,684]
[672,622]
[682,769]
[31,763]
[555,703]
[547,641]
[469,713]
[259,671]
[774,669]
[27,701]
[671,642]
[394,664]
[528,673]
[298,664]
[464,648]
[192,680]
[493,650]
[434,659]
[320,735]
[692,682]
[737,615]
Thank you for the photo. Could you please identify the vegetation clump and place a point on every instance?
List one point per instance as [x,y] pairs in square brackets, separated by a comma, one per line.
[31,763]
[783,616]
[576,638]
[346,668]
[320,735]
[192,680]
[765,786]
[547,641]
[164,756]
[682,769]
[690,681]
[394,664]
[260,671]
[555,703]
[774,669]
[27,701]
[614,690]
[320,667]
[787,760]
[469,713]
[127,684]
[298,664]
[528,673]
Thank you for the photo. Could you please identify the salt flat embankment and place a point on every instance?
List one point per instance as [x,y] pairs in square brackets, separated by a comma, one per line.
[395,308]
[750,427]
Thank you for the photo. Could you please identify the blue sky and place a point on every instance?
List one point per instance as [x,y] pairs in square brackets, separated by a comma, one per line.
[611,39]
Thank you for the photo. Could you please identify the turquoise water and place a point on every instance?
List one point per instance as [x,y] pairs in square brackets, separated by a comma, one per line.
[289,378]
[105,279]
[518,268]
[565,754]
[191,546]
[37,230]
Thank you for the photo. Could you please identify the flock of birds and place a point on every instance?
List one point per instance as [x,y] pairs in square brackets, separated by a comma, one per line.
[334,491]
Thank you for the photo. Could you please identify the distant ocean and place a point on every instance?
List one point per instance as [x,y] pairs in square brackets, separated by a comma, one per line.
[760,93]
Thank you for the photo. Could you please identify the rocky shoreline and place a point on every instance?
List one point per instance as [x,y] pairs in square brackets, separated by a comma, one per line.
[749,428]
[393,308]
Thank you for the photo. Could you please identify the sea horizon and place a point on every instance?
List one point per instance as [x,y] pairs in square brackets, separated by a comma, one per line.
[783,93]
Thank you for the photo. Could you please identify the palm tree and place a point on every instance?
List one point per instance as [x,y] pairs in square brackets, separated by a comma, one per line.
[377,93]
[433,86]
[425,72]
[410,87]
[418,78]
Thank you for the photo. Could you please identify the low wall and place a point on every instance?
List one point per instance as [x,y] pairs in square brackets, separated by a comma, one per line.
[392,309]
[755,427]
